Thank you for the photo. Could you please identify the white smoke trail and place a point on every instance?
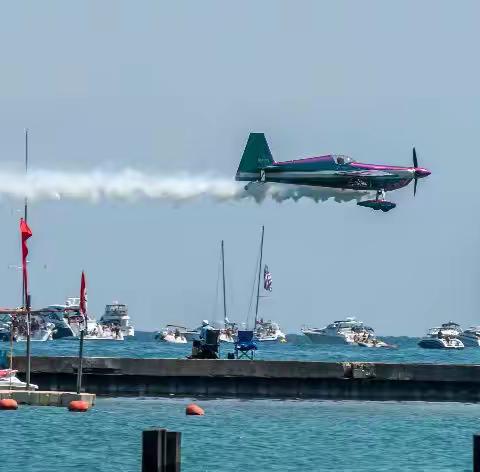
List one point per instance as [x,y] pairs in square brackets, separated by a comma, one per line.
[132,185]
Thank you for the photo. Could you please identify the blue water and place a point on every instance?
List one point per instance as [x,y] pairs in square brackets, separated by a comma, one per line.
[260,435]
[407,351]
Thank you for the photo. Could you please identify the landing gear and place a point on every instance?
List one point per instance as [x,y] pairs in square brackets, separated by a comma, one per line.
[262,180]
[379,203]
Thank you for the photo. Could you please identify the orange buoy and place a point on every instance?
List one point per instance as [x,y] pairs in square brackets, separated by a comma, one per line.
[8,404]
[78,405]
[193,409]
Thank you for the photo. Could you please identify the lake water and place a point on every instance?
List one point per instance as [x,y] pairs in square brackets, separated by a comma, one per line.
[406,351]
[256,435]
[259,435]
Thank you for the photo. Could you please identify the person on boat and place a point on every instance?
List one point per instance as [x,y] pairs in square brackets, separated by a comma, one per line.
[203,331]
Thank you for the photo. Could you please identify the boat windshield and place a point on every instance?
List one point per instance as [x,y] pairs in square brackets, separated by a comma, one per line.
[450,325]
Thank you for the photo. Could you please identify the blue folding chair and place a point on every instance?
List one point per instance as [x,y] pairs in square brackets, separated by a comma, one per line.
[245,346]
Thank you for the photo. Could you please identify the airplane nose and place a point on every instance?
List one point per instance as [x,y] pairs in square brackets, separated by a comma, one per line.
[421,172]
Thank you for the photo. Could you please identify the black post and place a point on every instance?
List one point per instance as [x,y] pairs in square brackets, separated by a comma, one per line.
[29,347]
[80,362]
[154,445]
[173,459]
[476,453]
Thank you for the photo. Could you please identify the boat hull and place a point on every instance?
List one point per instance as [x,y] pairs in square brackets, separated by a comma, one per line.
[439,344]
[318,338]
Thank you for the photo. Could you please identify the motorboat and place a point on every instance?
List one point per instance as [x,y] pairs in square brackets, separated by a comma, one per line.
[95,331]
[269,331]
[443,337]
[58,315]
[228,334]
[9,381]
[347,331]
[374,342]
[470,337]
[116,314]
[172,334]
[15,327]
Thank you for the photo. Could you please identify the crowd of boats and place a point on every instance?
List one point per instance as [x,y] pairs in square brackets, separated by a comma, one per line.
[265,332]
[64,321]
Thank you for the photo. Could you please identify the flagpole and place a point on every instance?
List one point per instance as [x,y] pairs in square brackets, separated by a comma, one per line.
[26,296]
[259,276]
[83,311]
[80,361]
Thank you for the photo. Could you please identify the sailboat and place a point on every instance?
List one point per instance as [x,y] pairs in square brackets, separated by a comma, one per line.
[229,331]
[265,330]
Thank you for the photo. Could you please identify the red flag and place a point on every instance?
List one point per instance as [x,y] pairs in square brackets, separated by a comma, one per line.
[83,295]
[26,233]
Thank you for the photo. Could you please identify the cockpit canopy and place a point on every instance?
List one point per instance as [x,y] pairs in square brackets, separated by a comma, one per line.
[342,159]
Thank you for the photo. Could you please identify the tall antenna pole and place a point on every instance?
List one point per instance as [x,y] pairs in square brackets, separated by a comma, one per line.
[26,296]
[223,277]
[259,276]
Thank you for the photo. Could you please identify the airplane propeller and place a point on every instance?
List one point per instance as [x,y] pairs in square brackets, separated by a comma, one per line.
[415,176]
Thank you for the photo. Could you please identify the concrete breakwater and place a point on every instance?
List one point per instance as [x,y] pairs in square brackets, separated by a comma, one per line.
[274,379]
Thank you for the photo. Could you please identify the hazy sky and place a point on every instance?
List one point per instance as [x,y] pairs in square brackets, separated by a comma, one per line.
[177,86]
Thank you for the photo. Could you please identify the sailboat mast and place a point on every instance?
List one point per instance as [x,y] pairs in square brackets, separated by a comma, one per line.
[223,278]
[259,277]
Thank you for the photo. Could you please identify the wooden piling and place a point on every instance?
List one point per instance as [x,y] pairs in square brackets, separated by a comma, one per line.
[476,453]
[173,456]
[154,445]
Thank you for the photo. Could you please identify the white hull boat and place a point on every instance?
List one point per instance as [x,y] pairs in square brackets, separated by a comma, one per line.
[443,337]
[116,314]
[226,337]
[441,343]
[470,337]
[269,332]
[170,338]
[176,334]
[9,381]
[348,331]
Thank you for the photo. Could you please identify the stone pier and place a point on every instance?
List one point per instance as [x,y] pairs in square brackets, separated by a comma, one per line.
[273,379]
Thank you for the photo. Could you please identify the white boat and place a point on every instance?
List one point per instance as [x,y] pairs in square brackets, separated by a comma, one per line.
[269,331]
[347,331]
[116,314]
[171,334]
[443,337]
[228,334]
[228,329]
[374,342]
[95,331]
[470,337]
[188,334]
[16,326]
[9,381]
[265,331]
[58,315]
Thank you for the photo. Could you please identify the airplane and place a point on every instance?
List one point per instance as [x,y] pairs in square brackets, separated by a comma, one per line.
[333,171]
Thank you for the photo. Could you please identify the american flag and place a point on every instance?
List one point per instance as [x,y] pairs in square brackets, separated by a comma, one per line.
[267,279]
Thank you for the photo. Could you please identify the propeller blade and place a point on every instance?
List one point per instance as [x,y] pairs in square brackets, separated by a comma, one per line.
[415,161]
[415,186]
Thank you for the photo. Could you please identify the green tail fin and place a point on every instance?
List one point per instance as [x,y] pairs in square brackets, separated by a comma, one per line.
[256,157]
